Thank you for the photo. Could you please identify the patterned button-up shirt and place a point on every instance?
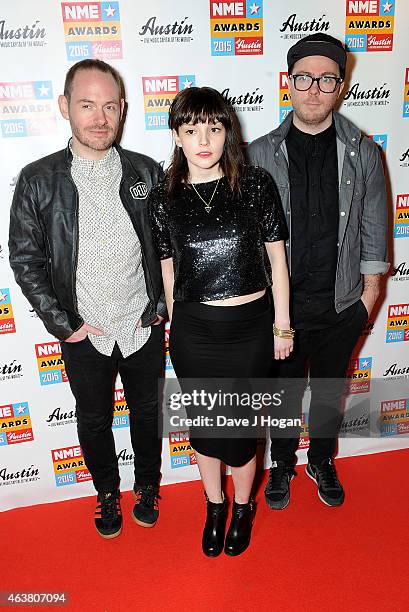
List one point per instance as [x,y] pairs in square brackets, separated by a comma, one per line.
[110,282]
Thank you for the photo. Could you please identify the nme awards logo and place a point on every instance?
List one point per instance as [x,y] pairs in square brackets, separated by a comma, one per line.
[381,140]
[236,28]
[121,410]
[15,424]
[7,324]
[158,94]
[26,109]
[69,466]
[398,323]
[22,36]
[153,32]
[168,362]
[92,30]
[394,418]
[181,453]
[285,105]
[304,434]
[244,102]
[50,363]
[406,96]
[401,229]
[369,25]
[292,28]
[359,374]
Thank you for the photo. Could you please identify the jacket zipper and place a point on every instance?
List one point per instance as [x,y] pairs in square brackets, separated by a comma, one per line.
[74,269]
[148,279]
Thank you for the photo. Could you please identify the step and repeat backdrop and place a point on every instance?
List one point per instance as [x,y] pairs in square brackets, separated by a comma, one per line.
[161,47]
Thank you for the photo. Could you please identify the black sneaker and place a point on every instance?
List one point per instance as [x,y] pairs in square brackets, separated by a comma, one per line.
[108,515]
[330,490]
[146,509]
[277,491]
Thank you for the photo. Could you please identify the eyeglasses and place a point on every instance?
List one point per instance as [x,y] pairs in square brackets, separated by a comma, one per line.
[326,84]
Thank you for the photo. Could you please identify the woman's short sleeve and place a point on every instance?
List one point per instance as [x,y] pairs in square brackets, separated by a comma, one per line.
[274,226]
[158,217]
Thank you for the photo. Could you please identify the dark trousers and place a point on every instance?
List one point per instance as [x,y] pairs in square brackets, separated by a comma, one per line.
[222,342]
[326,354]
[92,377]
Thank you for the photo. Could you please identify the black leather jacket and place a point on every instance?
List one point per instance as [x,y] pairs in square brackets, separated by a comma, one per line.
[43,240]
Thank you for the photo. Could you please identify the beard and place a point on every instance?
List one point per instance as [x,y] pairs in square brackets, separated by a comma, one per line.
[97,143]
[311,116]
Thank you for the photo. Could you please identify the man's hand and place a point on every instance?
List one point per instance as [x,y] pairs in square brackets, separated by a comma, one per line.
[157,321]
[371,291]
[368,299]
[83,332]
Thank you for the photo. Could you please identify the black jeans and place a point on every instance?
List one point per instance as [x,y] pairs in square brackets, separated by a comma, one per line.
[92,377]
[326,354]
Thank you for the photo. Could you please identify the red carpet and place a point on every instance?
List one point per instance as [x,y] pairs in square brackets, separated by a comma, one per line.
[309,556]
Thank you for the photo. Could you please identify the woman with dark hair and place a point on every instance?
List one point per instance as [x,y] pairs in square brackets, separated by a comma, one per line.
[219,230]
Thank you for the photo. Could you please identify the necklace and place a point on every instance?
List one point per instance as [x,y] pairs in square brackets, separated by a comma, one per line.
[208,208]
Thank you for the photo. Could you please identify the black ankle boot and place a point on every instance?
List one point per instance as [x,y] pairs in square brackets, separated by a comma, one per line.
[214,529]
[239,533]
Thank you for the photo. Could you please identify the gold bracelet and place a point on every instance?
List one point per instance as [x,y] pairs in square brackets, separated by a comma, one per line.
[283,333]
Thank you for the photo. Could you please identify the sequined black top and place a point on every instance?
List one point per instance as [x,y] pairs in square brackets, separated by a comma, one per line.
[221,253]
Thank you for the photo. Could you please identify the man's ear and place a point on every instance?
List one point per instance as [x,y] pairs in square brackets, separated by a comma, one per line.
[176,138]
[341,88]
[63,104]
[122,105]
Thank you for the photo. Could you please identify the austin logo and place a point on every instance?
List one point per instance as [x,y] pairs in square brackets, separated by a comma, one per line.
[291,25]
[396,372]
[28,474]
[23,36]
[404,159]
[9,371]
[401,272]
[377,96]
[176,32]
[125,457]
[244,101]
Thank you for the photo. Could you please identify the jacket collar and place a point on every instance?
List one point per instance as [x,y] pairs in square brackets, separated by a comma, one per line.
[346,131]
[128,169]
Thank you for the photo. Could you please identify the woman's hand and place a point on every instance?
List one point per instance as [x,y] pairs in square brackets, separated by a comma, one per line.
[282,347]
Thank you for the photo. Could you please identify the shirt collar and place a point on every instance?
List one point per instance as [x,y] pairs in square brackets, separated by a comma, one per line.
[95,168]
[322,139]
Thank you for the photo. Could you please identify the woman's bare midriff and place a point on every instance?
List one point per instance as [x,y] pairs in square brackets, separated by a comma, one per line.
[236,301]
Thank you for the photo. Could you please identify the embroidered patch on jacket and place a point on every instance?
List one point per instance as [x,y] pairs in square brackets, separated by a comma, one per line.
[139,191]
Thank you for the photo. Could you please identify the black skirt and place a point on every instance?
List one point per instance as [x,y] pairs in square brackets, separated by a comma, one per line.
[222,342]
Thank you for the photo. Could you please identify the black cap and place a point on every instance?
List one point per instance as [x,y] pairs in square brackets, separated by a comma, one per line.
[318,44]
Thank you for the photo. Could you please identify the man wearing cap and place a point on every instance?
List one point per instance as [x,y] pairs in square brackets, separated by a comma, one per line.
[332,186]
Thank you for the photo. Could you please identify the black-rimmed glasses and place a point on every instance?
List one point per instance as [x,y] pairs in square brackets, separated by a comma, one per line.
[326,84]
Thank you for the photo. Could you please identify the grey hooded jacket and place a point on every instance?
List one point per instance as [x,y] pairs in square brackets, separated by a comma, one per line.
[362,233]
